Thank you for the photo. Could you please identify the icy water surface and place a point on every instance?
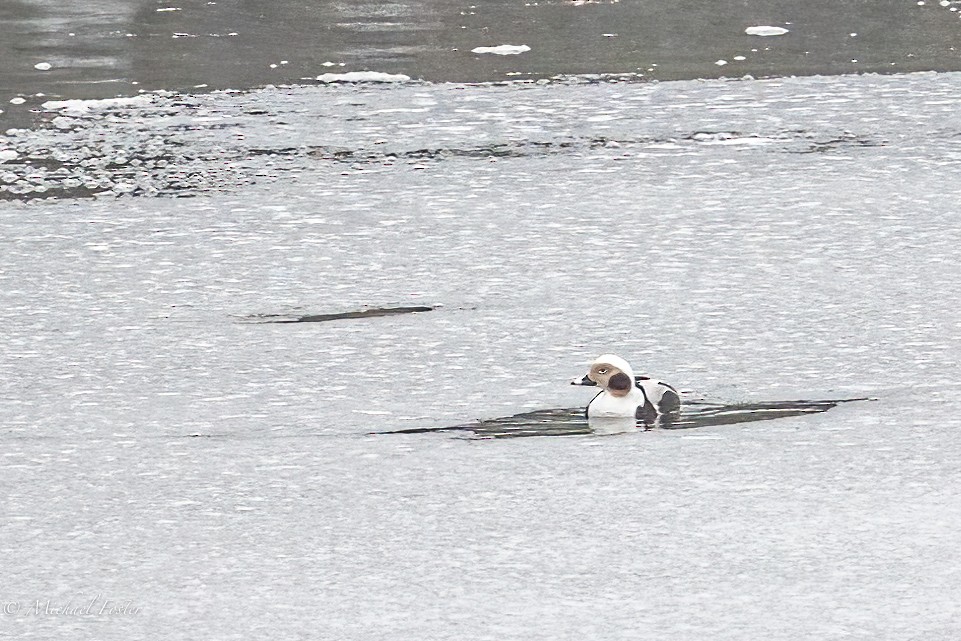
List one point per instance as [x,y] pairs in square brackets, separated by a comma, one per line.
[748,242]
[574,422]
[105,48]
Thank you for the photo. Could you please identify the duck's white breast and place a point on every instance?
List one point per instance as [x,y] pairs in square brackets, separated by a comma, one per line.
[607,405]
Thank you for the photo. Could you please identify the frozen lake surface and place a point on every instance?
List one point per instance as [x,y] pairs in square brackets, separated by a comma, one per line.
[745,241]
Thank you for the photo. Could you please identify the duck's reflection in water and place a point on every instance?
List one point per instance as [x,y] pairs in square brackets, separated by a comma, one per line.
[616,425]
[572,422]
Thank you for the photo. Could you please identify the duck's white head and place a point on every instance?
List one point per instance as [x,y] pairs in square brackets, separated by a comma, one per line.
[612,373]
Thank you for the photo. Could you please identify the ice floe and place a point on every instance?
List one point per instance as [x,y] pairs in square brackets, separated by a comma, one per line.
[82,107]
[363,76]
[765,30]
[502,50]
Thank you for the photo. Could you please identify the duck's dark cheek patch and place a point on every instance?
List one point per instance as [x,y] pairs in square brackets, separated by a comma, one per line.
[620,382]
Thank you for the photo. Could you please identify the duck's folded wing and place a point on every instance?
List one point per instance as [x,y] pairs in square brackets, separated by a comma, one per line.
[670,400]
[646,412]
[667,399]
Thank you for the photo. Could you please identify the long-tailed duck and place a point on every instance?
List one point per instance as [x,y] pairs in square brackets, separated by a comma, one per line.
[624,394]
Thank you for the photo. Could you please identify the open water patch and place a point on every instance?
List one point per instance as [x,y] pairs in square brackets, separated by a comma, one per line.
[373,312]
[573,421]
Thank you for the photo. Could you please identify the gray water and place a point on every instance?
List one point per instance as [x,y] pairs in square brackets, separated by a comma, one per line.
[105,48]
[750,241]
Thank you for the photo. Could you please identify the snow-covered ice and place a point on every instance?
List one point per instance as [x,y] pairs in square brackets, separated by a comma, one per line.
[221,476]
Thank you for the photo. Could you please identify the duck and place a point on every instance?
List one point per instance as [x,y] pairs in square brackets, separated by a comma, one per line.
[625,395]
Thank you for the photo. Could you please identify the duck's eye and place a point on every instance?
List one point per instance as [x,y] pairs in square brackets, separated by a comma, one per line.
[602,370]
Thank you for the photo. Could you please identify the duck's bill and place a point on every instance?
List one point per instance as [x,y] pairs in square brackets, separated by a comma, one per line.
[584,381]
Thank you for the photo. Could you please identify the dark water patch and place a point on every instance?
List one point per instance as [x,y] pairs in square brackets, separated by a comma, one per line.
[573,422]
[104,48]
[845,141]
[794,141]
[551,422]
[504,150]
[703,414]
[374,312]
[513,149]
